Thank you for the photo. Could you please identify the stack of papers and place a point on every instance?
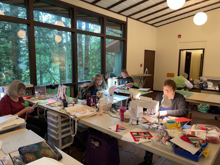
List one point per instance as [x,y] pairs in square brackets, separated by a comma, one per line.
[80,111]
[144,89]
[7,119]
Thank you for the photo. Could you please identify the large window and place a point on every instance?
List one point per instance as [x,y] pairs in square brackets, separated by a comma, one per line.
[88,23]
[47,13]
[113,57]
[88,56]
[14,57]
[49,41]
[13,8]
[114,29]
[53,56]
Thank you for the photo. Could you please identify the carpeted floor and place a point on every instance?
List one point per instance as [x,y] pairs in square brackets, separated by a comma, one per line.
[132,155]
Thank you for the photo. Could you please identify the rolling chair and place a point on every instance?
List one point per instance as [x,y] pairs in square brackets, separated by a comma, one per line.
[218,117]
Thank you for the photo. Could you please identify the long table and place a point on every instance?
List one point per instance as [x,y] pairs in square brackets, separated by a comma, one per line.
[102,123]
[66,160]
[204,98]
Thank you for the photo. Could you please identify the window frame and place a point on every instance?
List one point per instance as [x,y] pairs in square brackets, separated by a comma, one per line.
[74,31]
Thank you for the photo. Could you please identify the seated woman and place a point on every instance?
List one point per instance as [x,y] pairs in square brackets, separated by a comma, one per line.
[97,84]
[125,80]
[13,103]
[178,109]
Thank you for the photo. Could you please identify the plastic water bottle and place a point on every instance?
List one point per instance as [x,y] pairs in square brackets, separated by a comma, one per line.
[88,99]
[101,107]
[122,111]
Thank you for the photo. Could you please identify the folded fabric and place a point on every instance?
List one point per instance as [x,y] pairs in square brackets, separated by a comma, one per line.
[36,151]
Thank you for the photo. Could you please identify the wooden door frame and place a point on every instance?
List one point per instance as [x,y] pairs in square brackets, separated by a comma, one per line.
[154,65]
[201,68]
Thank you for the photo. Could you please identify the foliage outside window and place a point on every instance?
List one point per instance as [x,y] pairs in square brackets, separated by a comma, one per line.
[88,23]
[53,56]
[51,14]
[88,56]
[114,29]
[113,57]
[14,57]
[13,8]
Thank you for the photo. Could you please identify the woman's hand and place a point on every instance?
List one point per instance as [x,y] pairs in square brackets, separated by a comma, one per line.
[28,109]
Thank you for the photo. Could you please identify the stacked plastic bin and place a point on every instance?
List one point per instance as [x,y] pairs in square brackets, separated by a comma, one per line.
[59,130]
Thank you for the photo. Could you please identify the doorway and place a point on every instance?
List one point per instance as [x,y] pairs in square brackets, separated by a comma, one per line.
[149,60]
[191,62]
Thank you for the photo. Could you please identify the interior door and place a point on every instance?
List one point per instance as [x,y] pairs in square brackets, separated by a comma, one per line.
[201,65]
[149,60]
[188,63]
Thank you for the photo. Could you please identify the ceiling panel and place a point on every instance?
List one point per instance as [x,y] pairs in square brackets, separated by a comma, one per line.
[106,3]
[188,15]
[154,12]
[124,5]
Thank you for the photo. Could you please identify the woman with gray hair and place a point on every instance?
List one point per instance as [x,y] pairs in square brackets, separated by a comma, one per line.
[13,103]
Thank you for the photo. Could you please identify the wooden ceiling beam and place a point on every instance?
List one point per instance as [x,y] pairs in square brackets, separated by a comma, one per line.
[136,4]
[186,13]
[185,17]
[96,1]
[115,4]
[198,3]
[146,8]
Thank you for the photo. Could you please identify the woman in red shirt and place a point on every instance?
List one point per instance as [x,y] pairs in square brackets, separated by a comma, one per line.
[13,103]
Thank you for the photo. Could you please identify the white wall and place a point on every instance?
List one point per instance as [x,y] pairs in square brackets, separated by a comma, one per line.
[167,47]
[140,37]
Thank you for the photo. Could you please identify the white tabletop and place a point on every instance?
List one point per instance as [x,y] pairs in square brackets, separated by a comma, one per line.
[66,160]
[102,123]
[204,98]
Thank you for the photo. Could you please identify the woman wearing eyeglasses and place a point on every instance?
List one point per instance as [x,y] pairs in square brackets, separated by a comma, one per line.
[178,109]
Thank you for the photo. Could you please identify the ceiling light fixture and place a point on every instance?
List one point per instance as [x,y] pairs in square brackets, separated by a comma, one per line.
[1,12]
[175,4]
[58,38]
[200,18]
[21,34]
[59,23]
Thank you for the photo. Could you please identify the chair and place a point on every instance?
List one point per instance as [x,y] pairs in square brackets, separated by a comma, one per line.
[189,116]
[218,117]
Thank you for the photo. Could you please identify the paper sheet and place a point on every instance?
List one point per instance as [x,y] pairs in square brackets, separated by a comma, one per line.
[173,132]
[13,142]
[185,145]
[45,161]
[120,128]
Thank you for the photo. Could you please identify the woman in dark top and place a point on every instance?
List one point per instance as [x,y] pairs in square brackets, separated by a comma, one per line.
[178,109]
[125,80]
[98,84]
[13,103]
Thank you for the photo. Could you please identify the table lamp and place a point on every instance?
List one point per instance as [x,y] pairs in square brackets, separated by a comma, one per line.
[166,103]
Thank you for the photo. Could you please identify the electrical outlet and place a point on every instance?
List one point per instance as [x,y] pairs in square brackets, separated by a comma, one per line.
[170,74]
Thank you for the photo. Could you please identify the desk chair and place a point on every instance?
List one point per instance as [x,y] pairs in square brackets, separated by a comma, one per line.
[218,117]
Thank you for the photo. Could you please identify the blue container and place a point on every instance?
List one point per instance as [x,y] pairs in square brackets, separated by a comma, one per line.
[188,155]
